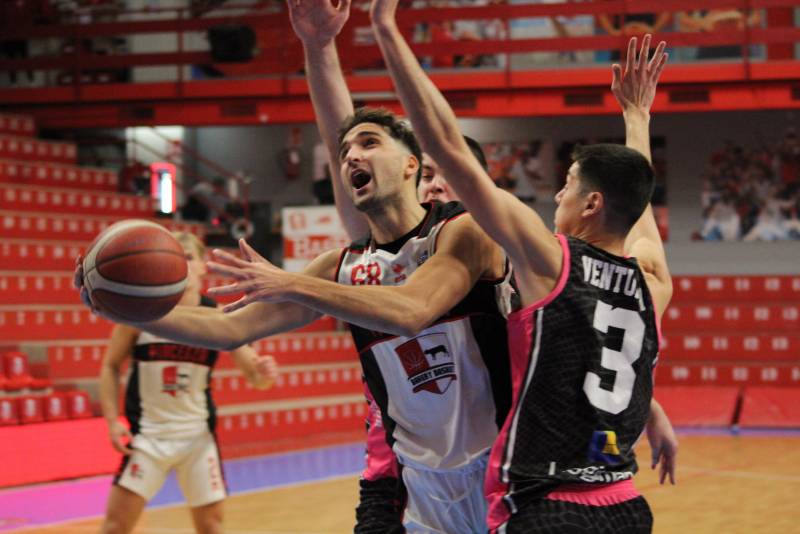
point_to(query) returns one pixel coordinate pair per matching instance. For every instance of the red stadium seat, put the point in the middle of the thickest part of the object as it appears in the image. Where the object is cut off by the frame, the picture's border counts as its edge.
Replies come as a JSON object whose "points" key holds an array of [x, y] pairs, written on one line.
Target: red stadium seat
{"points": [[26, 148], [38, 198], [44, 174], [79, 405], [17, 371], [31, 410], [8, 412], [19, 125], [55, 407]]}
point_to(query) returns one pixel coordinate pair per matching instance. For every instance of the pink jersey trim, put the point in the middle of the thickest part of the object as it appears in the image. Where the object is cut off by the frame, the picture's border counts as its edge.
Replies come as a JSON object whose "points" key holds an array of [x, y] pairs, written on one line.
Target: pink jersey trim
{"points": [[562, 281], [521, 333], [595, 494], [381, 461]]}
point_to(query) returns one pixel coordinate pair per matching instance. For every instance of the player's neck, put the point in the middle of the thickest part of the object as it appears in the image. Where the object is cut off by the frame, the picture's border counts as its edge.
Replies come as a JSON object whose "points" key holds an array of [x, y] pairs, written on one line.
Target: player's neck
{"points": [[613, 244], [395, 221]]}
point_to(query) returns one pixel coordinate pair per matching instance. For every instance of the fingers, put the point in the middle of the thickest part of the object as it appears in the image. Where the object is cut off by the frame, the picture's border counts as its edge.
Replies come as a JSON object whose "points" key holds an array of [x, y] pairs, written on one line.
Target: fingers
{"points": [[241, 303], [225, 270], [656, 454], [616, 76], [656, 74], [229, 258], [644, 54], [229, 289], [77, 279], [657, 55], [631, 55], [249, 252]]}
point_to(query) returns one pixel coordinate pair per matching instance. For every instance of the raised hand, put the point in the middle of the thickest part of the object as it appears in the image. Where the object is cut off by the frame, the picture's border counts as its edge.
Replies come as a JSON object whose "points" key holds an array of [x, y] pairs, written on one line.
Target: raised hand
{"points": [[635, 88], [254, 276], [318, 22]]}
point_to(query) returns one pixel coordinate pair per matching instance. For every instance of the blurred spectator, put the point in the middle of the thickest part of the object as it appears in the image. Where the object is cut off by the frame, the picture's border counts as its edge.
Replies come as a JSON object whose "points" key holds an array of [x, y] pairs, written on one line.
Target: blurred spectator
{"points": [[753, 193], [549, 27], [717, 20], [630, 24]]}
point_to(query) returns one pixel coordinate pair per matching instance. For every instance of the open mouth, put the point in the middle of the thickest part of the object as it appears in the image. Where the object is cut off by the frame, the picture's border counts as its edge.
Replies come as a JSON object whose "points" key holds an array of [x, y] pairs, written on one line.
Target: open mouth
{"points": [[359, 178]]}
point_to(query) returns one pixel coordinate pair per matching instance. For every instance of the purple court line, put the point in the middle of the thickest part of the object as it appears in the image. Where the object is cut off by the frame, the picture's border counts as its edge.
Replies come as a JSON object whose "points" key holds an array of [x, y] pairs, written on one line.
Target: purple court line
{"points": [[45, 504]]}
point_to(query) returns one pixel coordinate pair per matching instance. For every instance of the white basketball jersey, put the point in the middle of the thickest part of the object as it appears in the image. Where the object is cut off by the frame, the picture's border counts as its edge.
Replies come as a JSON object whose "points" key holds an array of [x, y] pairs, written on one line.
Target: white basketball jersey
{"points": [[168, 394], [444, 392]]}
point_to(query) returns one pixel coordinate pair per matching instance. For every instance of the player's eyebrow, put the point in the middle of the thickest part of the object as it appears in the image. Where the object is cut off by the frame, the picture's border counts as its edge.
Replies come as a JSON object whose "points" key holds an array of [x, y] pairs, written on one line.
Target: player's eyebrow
{"points": [[364, 133]]}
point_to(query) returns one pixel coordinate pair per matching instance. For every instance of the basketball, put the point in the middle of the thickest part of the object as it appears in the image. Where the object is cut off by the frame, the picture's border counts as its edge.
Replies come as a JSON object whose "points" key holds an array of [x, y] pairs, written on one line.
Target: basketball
{"points": [[135, 270]]}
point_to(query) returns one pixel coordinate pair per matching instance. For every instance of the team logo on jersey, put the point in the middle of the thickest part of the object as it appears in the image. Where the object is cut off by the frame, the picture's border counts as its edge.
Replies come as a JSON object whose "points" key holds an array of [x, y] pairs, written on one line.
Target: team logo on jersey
{"points": [[173, 381], [428, 363], [603, 447], [136, 471]]}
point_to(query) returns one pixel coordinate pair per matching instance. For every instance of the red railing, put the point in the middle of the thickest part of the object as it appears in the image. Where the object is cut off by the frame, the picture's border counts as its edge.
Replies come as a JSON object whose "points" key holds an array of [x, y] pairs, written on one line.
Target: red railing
{"points": [[281, 53]]}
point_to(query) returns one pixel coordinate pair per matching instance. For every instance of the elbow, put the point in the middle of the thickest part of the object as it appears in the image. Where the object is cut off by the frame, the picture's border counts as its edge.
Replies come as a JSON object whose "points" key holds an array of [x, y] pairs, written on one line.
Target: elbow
{"points": [[412, 323]]}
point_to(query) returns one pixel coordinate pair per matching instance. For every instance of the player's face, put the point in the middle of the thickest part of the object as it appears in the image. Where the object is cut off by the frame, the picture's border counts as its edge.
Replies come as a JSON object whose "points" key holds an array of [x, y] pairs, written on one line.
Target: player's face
{"points": [[433, 186], [374, 165], [196, 268], [569, 203]]}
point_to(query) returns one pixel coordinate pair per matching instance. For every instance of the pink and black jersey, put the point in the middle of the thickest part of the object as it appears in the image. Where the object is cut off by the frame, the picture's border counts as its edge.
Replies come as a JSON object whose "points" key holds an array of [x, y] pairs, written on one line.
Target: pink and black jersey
{"points": [[442, 393], [169, 389], [582, 372]]}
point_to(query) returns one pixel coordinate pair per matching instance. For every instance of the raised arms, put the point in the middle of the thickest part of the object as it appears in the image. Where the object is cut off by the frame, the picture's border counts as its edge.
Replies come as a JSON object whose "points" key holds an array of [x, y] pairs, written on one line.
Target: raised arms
{"points": [[635, 90], [317, 23], [519, 230]]}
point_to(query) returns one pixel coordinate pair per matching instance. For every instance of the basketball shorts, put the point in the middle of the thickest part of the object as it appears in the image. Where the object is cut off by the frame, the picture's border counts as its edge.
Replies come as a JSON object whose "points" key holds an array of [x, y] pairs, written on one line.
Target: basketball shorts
{"points": [[547, 516], [446, 502], [196, 463]]}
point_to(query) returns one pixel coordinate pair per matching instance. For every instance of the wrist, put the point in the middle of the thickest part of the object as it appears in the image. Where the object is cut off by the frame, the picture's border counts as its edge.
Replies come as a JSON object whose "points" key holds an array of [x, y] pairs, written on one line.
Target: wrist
{"points": [[633, 113], [384, 26]]}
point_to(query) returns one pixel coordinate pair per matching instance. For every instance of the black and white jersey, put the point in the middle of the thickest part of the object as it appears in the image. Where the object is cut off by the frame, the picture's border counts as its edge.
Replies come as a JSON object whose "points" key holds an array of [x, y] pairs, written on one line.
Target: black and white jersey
{"points": [[582, 369], [444, 392], [169, 390]]}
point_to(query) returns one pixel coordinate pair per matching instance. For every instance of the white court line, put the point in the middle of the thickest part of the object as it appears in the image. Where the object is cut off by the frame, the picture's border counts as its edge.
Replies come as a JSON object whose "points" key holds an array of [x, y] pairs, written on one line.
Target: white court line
{"points": [[167, 530]]}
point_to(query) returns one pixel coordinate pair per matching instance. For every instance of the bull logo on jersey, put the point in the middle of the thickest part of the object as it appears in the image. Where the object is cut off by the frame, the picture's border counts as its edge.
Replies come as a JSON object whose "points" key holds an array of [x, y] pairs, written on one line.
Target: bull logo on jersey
{"points": [[174, 382], [428, 363]]}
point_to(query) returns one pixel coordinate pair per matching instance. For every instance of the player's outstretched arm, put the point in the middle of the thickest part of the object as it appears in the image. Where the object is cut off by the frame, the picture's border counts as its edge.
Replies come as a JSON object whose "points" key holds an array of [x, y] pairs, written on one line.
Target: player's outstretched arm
{"points": [[120, 347], [211, 328], [317, 23], [635, 89], [516, 227], [464, 253]]}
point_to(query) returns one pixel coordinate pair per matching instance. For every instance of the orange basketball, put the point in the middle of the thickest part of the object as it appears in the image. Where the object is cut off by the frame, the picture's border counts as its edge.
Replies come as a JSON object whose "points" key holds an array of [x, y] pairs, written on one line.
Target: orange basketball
{"points": [[135, 270]]}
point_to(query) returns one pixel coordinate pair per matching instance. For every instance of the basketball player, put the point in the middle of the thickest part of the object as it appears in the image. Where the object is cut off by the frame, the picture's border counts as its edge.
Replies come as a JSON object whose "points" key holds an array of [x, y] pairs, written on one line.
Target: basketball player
{"points": [[585, 342], [433, 349], [317, 23], [170, 412]]}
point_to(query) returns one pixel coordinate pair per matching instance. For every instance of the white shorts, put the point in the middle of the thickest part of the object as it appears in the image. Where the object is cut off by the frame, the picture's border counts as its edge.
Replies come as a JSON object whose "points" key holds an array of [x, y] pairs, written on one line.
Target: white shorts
{"points": [[196, 463], [446, 502]]}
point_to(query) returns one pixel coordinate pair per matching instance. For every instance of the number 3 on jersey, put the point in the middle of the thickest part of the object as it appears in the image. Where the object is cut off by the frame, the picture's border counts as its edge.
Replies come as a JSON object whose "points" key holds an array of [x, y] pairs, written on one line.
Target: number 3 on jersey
{"points": [[621, 361]]}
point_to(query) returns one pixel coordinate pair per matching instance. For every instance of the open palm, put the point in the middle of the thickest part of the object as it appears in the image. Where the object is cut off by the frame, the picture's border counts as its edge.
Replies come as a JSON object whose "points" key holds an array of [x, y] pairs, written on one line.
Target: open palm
{"points": [[318, 22], [636, 87]]}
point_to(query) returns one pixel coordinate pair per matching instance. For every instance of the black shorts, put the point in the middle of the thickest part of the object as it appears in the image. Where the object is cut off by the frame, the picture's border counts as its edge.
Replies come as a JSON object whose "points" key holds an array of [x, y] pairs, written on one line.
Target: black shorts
{"points": [[546, 516]]}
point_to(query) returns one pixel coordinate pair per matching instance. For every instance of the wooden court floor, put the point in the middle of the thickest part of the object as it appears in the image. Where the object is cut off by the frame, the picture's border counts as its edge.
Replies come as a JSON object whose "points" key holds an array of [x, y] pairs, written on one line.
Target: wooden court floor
{"points": [[726, 485]]}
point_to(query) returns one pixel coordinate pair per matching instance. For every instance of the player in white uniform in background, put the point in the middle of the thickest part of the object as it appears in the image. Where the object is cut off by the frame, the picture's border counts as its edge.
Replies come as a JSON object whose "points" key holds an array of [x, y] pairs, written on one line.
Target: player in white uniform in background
{"points": [[172, 416]]}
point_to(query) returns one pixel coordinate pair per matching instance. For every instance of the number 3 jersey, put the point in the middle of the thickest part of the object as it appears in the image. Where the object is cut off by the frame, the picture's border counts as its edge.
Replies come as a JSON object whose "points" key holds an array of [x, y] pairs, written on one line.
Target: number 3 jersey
{"points": [[444, 392], [169, 389], [582, 372]]}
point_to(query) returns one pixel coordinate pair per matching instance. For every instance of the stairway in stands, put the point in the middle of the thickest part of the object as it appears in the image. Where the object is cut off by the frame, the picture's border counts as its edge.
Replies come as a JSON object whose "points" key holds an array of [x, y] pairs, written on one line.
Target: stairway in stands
{"points": [[50, 210]]}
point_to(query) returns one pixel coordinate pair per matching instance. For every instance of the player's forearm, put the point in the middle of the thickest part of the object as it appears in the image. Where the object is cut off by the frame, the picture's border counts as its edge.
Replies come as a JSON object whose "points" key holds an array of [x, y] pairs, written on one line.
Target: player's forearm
{"points": [[377, 308], [433, 119], [637, 130], [109, 392], [332, 105]]}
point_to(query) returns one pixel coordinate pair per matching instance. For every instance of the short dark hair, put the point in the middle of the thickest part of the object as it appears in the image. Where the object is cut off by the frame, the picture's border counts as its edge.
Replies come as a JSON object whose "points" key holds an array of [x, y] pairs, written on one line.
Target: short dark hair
{"points": [[477, 151], [624, 177], [395, 127]]}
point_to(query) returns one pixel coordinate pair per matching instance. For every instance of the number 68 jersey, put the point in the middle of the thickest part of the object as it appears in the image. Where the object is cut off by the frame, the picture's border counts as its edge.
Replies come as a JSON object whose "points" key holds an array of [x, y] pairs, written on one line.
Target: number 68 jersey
{"points": [[444, 392], [582, 374]]}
